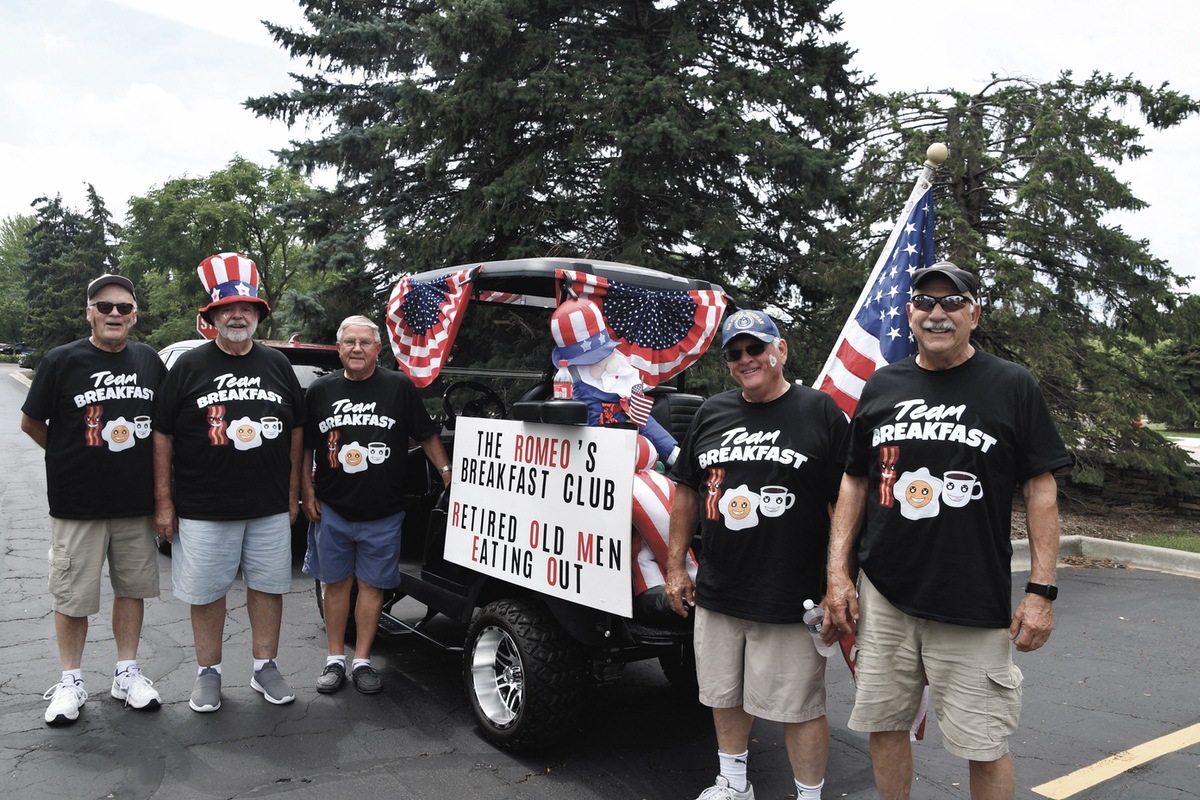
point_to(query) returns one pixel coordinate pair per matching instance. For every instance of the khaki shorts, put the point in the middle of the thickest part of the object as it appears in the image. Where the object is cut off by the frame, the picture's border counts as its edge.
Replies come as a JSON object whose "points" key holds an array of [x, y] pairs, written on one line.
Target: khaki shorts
{"points": [[78, 548], [975, 686], [771, 671]]}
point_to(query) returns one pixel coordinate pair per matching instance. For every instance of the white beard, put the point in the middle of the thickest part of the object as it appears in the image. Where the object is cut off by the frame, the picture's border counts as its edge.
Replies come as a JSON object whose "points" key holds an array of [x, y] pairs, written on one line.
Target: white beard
{"points": [[614, 375]]}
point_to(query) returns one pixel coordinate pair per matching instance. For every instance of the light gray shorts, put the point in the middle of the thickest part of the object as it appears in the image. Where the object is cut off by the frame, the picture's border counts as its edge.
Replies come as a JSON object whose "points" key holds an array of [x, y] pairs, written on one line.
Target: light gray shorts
{"points": [[206, 556], [975, 686], [772, 671], [78, 548]]}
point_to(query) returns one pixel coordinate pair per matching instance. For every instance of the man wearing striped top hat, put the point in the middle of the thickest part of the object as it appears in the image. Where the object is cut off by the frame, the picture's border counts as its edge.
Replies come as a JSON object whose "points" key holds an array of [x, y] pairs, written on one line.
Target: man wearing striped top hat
{"points": [[228, 432]]}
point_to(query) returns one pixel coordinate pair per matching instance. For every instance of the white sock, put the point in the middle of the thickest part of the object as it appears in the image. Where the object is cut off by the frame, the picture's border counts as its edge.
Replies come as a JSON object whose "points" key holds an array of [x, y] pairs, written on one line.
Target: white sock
{"points": [[217, 666], [808, 792], [733, 768], [360, 662], [71, 676], [126, 666], [335, 659], [259, 663]]}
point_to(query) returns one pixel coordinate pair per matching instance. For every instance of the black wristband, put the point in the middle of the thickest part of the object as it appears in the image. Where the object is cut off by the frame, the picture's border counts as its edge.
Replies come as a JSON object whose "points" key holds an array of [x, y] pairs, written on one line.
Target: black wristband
{"points": [[1048, 591]]}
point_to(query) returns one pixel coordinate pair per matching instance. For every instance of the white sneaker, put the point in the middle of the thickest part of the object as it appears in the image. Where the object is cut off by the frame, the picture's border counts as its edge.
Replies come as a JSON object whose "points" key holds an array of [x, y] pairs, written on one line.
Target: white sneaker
{"points": [[65, 701], [134, 688], [721, 790]]}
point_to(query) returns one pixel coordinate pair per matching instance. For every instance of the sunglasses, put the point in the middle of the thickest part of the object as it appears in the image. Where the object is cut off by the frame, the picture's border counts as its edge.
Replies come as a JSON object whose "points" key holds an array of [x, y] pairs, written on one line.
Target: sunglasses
{"points": [[752, 350], [950, 303], [104, 307]]}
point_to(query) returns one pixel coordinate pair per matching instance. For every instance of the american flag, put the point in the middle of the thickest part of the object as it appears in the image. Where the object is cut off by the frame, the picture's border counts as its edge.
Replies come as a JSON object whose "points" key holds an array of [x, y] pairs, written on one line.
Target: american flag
{"points": [[660, 332], [877, 332], [423, 319]]}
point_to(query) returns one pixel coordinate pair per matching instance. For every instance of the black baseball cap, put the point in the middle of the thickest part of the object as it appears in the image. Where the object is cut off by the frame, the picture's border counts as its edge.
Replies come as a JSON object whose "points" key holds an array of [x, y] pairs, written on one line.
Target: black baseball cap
{"points": [[963, 281], [109, 279]]}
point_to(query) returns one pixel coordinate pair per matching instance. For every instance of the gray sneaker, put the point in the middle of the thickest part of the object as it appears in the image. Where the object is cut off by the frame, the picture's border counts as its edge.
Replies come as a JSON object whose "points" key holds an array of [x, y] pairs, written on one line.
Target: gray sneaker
{"points": [[206, 694], [271, 684]]}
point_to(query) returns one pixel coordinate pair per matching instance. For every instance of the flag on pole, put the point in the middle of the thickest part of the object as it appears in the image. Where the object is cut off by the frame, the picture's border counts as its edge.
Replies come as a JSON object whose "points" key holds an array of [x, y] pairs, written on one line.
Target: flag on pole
{"points": [[660, 332], [877, 332], [423, 319]]}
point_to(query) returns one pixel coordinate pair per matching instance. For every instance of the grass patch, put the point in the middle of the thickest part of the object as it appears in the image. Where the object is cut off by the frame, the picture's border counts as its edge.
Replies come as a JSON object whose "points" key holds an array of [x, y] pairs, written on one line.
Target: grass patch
{"points": [[1182, 434], [1188, 542]]}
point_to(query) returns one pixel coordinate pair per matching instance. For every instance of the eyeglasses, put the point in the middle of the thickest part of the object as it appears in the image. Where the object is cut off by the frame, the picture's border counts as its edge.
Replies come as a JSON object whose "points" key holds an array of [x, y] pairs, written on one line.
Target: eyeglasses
{"points": [[352, 343], [950, 303], [754, 349], [104, 307]]}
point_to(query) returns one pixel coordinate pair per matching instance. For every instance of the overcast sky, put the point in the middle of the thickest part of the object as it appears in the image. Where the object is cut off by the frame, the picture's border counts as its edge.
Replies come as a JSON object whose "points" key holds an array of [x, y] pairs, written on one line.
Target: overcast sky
{"points": [[126, 94]]}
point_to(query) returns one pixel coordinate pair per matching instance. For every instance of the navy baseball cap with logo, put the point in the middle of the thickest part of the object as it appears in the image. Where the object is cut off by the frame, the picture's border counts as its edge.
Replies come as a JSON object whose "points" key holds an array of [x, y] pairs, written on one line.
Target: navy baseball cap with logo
{"points": [[751, 323]]}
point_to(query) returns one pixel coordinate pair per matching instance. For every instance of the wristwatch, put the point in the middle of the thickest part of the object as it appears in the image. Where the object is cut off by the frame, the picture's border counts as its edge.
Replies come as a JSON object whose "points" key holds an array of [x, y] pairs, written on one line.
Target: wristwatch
{"points": [[444, 470], [1048, 591]]}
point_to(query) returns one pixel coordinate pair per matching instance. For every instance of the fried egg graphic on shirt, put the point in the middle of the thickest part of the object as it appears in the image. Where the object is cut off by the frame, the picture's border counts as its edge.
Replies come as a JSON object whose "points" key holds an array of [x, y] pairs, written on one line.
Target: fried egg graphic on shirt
{"points": [[353, 458], [118, 434], [740, 508], [245, 433], [918, 493]]}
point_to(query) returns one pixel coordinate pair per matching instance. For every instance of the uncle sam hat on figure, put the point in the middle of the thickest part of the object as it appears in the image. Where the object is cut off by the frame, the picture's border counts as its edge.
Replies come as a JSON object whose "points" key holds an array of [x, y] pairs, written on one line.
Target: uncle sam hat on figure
{"points": [[230, 278], [579, 331]]}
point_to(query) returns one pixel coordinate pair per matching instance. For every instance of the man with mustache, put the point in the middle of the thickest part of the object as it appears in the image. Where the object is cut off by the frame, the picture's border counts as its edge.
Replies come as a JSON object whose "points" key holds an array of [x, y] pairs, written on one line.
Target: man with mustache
{"points": [[100, 495], [934, 588], [232, 506]]}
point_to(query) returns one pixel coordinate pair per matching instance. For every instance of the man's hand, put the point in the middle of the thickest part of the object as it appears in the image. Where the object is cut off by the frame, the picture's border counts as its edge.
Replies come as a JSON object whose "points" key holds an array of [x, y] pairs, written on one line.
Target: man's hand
{"points": [[841, 606], [309, 504], [165, 522], [681, 591], [1032, 623]]}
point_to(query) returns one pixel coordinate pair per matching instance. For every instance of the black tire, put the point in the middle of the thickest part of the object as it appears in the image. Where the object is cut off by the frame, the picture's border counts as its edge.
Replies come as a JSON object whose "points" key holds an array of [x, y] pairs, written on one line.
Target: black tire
{"points": [[524, 675], [679, 667], [351, 629]]}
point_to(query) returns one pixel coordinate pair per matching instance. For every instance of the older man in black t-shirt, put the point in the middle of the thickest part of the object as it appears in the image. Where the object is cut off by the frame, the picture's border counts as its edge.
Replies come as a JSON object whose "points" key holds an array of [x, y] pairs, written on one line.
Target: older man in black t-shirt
{"points": [[359, 425], [227, 426], [89, 408], [937, 446], [758, 469]]}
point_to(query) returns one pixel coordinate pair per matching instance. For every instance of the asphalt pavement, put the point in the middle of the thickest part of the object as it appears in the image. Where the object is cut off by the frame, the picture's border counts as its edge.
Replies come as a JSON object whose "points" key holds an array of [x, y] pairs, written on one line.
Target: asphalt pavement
{"points": [[1120, 671]]}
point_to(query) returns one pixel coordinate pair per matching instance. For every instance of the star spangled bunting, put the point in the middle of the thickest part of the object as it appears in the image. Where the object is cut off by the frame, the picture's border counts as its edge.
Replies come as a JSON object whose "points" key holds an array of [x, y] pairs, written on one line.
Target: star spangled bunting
{"points": [[660, 332], [423, 319], [877, 332]]}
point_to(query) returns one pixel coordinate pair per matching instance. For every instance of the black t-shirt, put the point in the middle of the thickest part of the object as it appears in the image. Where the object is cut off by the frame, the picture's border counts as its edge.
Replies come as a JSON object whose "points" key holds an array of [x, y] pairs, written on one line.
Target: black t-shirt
{"points": [[358, 432], [97, 406], [943, 452], [766, 474], [232, 419]]}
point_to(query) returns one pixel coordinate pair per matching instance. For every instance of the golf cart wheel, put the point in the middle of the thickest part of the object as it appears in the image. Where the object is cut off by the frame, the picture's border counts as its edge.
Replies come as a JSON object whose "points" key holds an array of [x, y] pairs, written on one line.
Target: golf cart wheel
{"points": [[525, 676], [679, 667]]}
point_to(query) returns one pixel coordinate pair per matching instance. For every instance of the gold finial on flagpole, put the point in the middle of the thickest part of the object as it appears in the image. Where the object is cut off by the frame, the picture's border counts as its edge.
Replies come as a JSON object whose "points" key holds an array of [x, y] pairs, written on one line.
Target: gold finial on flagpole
{"points": [[936, 154]]}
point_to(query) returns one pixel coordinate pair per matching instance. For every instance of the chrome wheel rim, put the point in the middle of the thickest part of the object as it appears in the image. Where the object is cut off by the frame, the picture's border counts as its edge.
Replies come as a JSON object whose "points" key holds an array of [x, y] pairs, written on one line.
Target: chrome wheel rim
{"points": [[498, 676]]}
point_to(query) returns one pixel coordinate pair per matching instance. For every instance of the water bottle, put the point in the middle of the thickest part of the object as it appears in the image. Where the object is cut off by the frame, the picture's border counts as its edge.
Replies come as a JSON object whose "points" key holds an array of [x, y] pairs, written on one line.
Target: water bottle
{"points": [[564, 387], [813, 617]]}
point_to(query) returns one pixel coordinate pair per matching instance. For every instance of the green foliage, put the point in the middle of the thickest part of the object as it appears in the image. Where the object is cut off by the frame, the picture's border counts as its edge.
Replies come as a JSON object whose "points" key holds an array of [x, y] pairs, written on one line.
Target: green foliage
{"points": [[1183, 540], [1022, 201], [14, 237], [702, 138], [65, 250], [243, 208]]}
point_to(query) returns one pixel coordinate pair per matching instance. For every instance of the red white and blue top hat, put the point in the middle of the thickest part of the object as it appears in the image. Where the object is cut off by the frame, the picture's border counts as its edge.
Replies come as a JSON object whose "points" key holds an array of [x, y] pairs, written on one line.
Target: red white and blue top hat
{"points": [[230, 278], [580, 333]]}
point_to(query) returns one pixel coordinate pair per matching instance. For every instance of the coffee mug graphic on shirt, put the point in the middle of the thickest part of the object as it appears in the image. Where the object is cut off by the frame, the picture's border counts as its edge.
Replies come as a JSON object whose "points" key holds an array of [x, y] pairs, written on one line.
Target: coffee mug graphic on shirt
{"points": [[378, 452], [775, 500], [960, 488], [271, 427], [141, 427]]}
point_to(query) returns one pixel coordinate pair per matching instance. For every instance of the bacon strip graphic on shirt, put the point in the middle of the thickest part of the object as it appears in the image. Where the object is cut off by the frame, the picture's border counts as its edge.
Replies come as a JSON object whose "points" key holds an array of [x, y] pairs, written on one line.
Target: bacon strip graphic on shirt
{"points": [[715, 476], [216, 426], [91, 426], [331, 445], [888, 456]]}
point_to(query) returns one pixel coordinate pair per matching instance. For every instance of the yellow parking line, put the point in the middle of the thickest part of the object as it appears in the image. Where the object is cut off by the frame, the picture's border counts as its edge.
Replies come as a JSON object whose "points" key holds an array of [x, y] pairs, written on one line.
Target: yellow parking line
{"points": [[1113, 766]]}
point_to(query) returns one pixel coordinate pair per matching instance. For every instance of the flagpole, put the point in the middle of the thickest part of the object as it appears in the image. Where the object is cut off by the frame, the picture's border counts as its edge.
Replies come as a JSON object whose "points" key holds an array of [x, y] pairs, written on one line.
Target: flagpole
{"points": [[935, 156]]}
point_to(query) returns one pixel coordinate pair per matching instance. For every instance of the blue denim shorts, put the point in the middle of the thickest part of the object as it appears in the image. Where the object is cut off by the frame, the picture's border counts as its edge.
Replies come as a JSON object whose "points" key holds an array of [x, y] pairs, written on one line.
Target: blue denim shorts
{"points": [[206, 556], [339, 548]]}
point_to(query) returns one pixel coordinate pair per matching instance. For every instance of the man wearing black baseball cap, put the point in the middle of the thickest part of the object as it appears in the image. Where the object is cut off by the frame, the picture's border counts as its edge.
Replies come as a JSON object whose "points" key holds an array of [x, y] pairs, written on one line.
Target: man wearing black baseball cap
{"points": [[89, 408], [937, 443]]}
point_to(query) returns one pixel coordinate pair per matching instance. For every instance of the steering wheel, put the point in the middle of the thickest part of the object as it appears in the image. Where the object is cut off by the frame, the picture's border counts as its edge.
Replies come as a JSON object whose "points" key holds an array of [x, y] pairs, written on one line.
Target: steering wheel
{"points": [[480, 402]]}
